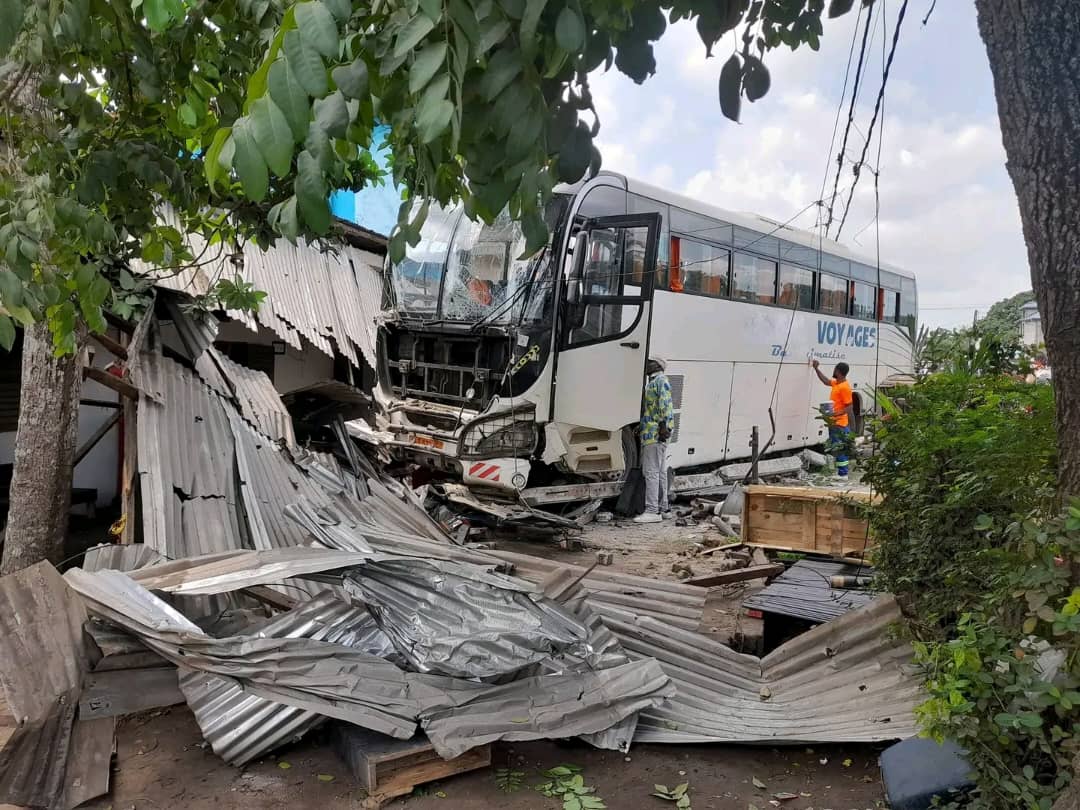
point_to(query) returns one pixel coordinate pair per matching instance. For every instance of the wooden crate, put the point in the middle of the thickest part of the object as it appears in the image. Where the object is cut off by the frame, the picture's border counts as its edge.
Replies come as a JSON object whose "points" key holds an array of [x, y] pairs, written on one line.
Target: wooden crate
{"points": [[387, 768], [823, 521]]}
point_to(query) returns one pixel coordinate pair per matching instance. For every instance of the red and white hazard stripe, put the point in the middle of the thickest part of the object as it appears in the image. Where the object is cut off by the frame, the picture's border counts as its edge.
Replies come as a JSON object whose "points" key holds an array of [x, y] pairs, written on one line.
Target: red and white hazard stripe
{"points": [[488, 472]]}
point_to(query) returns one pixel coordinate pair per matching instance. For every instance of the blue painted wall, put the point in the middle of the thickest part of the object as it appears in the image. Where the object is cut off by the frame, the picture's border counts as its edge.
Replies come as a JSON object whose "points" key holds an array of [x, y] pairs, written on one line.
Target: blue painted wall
{"points": [[375, 207]]}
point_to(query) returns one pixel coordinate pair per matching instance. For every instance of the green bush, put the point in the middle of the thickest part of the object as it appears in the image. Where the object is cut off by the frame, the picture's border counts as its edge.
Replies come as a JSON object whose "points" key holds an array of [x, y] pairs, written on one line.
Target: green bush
{"points": [[961, 447], [1006, 687], [990, 596]]}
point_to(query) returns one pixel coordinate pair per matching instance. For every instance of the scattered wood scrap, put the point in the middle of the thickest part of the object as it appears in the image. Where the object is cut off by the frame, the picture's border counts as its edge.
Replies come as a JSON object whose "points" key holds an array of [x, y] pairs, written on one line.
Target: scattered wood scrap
{"points": [[737, 575]]}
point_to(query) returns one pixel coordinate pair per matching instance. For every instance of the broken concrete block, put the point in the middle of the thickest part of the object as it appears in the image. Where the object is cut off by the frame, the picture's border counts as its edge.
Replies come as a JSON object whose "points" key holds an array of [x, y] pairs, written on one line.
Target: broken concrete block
{"points": [[682, 570], [604, 557], [572, 544], [814, 459]]}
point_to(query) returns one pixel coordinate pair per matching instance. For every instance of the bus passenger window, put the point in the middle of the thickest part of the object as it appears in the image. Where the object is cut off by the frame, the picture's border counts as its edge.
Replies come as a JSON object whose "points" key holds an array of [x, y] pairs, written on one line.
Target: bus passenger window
{"points": [[755, 279], [703, 268], [832, 295], [863, 298], [796, 287]]}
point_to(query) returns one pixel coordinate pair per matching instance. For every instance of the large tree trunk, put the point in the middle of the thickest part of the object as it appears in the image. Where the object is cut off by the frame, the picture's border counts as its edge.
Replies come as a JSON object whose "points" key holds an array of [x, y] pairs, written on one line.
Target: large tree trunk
{"points": [[1034, 50], [44, 449]]}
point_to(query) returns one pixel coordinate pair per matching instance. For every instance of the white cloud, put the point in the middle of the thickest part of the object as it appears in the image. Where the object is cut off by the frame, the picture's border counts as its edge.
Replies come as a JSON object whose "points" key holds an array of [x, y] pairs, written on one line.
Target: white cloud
{"points": [[948, 211]]}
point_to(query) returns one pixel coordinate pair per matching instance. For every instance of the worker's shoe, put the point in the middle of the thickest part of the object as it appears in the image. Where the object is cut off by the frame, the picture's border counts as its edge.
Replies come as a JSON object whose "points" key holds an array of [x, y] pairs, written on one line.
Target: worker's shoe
{"points": [[668, 514], [648, 517]]}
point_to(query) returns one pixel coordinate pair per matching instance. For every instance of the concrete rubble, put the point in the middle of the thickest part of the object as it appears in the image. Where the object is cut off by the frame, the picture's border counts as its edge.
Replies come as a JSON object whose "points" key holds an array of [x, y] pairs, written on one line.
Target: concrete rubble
{"points": [[378, 618]]}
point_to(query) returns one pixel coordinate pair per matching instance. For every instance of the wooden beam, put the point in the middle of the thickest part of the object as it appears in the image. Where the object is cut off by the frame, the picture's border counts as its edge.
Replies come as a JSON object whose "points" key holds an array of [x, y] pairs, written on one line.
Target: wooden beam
{"points": [[737, 575], [110, 345], [124, 326], [99, 403], [270, 597], [98, 435], [120, 386]]}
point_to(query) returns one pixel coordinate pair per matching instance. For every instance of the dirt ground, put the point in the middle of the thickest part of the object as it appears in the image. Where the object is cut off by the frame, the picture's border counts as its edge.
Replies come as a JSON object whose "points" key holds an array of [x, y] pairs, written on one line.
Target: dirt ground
{"points": [[162, 763]]}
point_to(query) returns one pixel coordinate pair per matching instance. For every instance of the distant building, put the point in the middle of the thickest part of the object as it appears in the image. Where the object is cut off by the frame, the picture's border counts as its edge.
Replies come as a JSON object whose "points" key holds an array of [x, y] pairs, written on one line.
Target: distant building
{"points": [[1031, 328]]}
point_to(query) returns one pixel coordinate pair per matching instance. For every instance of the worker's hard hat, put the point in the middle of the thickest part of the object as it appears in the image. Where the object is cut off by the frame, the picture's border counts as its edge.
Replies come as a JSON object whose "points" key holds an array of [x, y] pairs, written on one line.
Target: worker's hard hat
{"points": [[660, 361]]}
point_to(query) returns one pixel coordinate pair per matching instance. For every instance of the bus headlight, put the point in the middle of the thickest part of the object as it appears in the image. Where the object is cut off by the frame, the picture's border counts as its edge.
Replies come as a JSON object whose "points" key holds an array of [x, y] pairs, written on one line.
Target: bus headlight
{"points": [[517, 437]]}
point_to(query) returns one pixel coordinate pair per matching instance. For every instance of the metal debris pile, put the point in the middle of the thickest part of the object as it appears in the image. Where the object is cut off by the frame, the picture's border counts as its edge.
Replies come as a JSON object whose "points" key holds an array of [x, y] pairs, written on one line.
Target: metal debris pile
{"points": [[279, 586]]}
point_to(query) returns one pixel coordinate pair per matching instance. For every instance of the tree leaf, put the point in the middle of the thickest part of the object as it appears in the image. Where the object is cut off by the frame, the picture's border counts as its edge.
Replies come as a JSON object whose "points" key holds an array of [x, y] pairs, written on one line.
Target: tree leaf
{"points": [[427, 63], [433, 8], [531, 19], [187, 115], [317, 27], [284, 220], [248, 161], [434, 110], [730, 85], [410, 35], [306, 65], [352, 79], [491, 34], [341, 9], [756, 80], [7, 333], [575, 154], [311, 193], [11, 12], [158, 14], [273, 135], [332, 115], [501, 70], [290, 97], [839, 7], [11, 289], [570, 30]]}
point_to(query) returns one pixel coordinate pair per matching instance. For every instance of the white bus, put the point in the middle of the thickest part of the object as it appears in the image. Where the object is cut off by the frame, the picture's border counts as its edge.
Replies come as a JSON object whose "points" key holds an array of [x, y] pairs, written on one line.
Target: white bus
{"points": [[510, 373]]}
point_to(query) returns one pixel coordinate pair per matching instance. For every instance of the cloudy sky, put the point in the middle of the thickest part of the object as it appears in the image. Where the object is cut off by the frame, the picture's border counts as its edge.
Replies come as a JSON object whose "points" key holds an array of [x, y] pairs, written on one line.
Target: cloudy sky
{"points": [[948, 211]]}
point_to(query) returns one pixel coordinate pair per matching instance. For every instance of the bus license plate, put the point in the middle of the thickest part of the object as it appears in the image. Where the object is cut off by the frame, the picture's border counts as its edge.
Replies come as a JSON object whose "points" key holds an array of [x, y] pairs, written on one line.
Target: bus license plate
{"points": [[427, 441]]}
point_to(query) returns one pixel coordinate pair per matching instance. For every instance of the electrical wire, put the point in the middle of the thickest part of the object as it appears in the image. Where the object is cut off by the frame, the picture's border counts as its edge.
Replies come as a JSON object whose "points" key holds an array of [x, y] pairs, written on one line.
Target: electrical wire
{"points": [[850, 119], [877, 111]]}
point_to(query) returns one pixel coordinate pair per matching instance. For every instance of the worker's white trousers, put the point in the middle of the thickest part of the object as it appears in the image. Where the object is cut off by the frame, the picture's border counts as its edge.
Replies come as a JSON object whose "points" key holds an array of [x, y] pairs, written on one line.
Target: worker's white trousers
{"points": [[654, 465]]}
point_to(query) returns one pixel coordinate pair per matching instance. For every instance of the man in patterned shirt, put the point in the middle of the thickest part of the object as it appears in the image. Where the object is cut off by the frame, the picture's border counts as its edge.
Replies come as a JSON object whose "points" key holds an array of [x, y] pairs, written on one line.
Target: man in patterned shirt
{"points": [[656, 424]]}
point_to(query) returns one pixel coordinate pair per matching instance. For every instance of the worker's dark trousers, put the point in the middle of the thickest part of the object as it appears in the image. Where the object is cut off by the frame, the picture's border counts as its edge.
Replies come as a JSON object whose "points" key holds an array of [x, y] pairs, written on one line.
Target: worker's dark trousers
{"points": [[838, 448]]}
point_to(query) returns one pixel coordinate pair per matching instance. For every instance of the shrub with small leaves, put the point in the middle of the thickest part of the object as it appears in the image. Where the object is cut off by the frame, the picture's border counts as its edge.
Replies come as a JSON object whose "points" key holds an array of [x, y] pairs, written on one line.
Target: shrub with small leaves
{"points": [[566, 783], [507, 780]]}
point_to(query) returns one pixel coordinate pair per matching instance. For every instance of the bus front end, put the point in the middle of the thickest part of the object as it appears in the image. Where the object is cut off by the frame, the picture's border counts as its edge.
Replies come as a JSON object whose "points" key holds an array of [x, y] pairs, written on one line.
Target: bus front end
{"points": [[464, 347]]}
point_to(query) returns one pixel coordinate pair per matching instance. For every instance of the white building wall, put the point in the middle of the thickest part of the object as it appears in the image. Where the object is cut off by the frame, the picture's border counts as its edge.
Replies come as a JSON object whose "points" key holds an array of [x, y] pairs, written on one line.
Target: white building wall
{"points": [[293, 369]]}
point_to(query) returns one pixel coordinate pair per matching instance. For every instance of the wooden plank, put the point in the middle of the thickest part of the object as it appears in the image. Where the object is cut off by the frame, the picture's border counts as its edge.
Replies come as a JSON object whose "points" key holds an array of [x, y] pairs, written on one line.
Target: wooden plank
{"points": [[715, 549], [93, 743], [812, 493], [120, 386], [110, 345], [737, 575], [268, 596], [127, 691], [387, 768]]}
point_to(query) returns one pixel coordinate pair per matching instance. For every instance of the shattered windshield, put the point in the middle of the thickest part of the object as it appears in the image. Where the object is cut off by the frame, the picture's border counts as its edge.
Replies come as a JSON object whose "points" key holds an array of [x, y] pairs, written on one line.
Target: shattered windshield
{"points": [[485, 278]]}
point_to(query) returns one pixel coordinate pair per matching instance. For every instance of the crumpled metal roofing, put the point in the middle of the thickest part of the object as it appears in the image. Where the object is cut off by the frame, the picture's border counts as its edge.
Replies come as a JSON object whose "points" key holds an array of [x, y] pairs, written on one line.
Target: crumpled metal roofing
{"points": [[845, 681], [119, 557], [462, 621], [241, 726], [338, 681], [804, 591], [232, 570], [330, 298], [673, 602]]}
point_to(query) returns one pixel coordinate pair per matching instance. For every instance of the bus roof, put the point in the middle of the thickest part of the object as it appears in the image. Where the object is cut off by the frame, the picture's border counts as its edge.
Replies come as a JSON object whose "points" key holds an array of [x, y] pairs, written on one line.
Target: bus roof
{"points": [[754, 222]]}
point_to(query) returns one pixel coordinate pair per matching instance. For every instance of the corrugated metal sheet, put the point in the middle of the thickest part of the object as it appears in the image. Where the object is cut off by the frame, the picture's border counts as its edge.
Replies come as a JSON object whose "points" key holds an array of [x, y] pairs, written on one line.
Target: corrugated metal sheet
{"points": [[120, 557], [259, 401], [804, 591], [187, 467], [462, 621], [681, 605], [240, 726], [845, 681], [34, 760]]}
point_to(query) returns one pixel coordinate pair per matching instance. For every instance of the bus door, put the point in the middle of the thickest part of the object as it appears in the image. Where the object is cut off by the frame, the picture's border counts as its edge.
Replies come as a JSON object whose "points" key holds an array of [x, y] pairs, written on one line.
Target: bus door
{"points": [[604, 338]]}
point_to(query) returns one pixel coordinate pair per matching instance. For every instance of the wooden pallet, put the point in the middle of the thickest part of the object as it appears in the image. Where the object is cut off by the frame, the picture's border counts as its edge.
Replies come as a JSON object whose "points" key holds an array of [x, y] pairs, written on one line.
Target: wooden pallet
{"points": [[821, 521], [388, 768]]}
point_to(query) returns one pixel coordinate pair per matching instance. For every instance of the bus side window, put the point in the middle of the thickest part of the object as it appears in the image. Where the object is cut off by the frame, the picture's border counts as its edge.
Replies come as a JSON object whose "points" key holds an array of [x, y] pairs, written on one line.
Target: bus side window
{"points": [[832, 294], [754, 279], [703, 268], [636, 204]]}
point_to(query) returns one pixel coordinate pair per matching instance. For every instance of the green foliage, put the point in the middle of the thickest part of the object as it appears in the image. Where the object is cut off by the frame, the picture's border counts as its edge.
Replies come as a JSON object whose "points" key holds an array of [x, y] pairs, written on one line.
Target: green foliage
{"points": [[1006, 686], [242, 115], [566, 783], [488, 101], [507, 780], [963, 446], [1003, 319], [677, 794]]}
